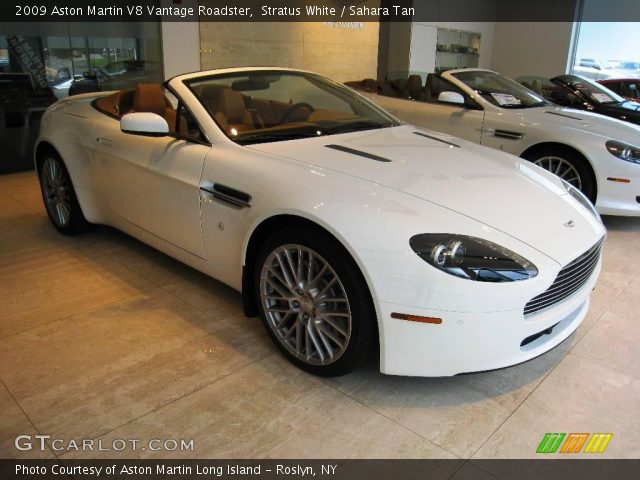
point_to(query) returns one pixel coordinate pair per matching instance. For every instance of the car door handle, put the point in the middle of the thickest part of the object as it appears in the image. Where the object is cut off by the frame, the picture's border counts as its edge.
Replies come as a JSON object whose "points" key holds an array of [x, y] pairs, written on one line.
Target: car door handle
{"points": [[227, 194], [105, 142]]}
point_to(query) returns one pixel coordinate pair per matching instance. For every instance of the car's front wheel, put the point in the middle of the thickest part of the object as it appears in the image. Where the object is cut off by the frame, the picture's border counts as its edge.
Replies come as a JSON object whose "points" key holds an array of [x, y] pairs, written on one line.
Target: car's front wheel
{"points": [[314, 302], [569, 166], [59, 196]]}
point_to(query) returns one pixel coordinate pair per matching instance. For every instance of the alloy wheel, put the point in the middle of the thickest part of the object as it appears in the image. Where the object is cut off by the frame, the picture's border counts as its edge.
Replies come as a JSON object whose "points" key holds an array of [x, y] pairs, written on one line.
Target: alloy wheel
{"points": [[305, 304], [56, 185], [562, 168]]}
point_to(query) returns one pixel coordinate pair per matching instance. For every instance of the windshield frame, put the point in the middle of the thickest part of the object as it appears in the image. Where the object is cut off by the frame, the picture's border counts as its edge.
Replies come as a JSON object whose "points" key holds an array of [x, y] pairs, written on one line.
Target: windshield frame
{"points": [[299, 131], [517, 88], [572, 80]]}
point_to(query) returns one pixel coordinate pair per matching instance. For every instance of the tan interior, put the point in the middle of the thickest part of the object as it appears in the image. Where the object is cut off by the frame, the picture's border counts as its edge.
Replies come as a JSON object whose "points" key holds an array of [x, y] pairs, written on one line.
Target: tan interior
{"points": [[233, 111], [146, 97]]}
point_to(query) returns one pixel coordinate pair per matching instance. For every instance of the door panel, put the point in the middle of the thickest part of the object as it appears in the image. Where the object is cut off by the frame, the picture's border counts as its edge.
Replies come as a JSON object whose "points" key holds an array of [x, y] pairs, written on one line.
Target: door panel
{"points": [[504, 131], [153, 183], [228, 188]]}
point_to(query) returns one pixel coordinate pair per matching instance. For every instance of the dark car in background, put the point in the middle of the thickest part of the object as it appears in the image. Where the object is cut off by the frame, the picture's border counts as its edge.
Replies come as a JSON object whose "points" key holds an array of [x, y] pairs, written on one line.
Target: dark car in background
{"points": [[116, 76], [577, 92], [628, 88]]}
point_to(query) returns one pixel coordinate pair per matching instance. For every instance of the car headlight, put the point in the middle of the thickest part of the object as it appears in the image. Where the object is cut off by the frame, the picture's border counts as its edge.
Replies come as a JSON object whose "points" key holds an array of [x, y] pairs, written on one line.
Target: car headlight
{"points": [[581, 198], [472, 258], [624, 151]]}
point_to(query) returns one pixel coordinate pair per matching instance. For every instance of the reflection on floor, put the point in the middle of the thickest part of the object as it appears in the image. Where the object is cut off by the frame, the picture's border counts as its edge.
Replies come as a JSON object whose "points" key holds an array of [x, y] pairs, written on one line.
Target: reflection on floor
{"points": [[102, 337]]}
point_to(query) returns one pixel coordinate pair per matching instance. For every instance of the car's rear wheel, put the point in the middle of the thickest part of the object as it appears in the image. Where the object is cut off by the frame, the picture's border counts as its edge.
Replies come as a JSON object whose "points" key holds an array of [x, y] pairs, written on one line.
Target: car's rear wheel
{"points": [[569, 166], [314, 302], [59, 196]]}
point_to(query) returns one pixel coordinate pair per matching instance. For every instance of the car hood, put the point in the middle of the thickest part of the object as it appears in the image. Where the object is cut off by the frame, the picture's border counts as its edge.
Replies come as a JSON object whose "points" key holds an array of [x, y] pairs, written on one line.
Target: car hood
{"points": [[558, 118], [496, 189]]}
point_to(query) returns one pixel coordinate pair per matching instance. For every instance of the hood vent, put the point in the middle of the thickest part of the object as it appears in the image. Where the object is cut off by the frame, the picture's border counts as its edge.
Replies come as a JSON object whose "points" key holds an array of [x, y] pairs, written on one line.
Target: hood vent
{"points": [[353, 151], [564, 115], [436, 139]]}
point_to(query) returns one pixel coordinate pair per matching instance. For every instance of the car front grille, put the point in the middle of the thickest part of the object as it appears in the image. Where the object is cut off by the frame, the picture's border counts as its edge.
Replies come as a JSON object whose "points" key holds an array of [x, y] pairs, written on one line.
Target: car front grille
{"points": [[569, 280]]}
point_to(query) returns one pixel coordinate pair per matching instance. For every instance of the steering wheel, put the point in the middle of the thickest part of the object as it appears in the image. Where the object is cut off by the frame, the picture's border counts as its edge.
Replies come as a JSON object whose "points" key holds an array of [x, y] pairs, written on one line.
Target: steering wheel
{"points": [[289, 111]]}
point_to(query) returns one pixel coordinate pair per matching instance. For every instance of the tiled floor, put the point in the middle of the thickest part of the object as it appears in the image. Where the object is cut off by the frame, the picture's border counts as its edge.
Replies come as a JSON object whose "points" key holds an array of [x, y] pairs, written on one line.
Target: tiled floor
{"points": [[102, 337]]}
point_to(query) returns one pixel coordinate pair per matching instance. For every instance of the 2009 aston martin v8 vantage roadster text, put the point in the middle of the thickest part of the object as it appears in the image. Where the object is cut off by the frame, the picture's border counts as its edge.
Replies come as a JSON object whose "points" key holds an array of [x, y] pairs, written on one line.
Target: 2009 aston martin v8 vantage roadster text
{"points": [[348, 232]]}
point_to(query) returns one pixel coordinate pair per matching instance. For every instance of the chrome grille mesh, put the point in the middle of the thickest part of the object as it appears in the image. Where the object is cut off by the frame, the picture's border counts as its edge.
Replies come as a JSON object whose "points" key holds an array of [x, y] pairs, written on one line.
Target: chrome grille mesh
{"points": [[568, 281]]}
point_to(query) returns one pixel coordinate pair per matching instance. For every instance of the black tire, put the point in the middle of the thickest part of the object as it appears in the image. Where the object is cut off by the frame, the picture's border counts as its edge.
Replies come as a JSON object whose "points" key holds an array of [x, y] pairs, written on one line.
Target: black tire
{"points": [[587, 180], [59, 196], [363, 340]]}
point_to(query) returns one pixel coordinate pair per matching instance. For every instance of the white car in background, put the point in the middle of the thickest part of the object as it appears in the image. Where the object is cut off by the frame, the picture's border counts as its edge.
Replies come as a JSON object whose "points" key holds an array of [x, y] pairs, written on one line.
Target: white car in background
{"points": [[596, 70], [596, 154], [345, 230]]}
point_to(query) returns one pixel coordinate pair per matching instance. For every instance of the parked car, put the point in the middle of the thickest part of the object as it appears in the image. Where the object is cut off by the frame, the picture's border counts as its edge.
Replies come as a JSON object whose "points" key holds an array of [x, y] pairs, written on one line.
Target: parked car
{"points": [[582, 94], [115, 76], [628, 88], [631, 69], [343, 229], [596, 154], [595, 69]]}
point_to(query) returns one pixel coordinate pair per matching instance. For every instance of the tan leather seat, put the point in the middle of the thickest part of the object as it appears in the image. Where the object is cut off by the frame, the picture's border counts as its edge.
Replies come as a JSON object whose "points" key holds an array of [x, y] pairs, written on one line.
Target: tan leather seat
{"points": [[210, 97], [232, 114], [414, 87], [149, 97]]}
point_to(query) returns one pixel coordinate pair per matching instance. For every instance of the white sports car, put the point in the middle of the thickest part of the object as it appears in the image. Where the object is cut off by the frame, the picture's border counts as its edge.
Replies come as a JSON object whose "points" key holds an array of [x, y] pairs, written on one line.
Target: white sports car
{"points": [[345, 230], [597, 154]]}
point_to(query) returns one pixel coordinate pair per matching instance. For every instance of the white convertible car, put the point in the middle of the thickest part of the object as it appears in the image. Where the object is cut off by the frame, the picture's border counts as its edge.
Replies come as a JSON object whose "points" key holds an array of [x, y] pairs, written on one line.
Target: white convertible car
{"points": [[597, 154], [348, 232]]}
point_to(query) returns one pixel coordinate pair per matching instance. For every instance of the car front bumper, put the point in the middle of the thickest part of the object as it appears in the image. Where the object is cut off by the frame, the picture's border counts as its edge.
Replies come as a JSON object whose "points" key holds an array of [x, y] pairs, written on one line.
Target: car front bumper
{"points": [[475, 341], [619, 190]]}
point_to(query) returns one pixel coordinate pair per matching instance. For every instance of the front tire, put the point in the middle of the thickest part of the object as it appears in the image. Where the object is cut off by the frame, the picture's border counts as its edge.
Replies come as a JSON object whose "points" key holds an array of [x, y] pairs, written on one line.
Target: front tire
{"points": [[314, 302], [59, 196], [568, 165]]}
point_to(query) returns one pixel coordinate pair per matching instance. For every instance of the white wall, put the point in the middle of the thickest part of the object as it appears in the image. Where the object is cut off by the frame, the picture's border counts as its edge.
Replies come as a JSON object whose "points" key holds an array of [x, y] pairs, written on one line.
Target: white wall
{"points": [[180, 44], [536, 48]]}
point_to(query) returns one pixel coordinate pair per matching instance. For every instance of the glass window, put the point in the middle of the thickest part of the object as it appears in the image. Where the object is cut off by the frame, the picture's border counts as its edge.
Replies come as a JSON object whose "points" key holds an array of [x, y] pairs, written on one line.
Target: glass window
{"points": [[500, 91], [267, 106], [39, 66], [187, 126], [591, 90]]}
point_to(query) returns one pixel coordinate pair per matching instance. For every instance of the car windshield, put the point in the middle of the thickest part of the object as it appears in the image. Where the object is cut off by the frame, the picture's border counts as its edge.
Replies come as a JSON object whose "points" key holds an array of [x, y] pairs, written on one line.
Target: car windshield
{"points": [[271, 106], [500, 91], [592, 90]]}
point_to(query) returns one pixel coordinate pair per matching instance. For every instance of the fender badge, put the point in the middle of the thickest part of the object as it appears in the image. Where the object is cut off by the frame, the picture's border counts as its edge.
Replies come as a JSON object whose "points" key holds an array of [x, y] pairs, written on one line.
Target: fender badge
{"points": [[570, 224]]}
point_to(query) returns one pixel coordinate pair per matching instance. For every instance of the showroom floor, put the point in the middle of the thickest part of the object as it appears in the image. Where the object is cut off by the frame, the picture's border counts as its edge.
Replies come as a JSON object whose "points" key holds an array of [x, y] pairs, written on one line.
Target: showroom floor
{"points": [[103, 337]]}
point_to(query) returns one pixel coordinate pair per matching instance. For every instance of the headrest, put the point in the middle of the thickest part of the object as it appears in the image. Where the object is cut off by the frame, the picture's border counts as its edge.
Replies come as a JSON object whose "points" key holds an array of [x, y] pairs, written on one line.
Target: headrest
{"points": [[231, 104], [150, 98], [414, 83], [210, 96], [370, 84]]}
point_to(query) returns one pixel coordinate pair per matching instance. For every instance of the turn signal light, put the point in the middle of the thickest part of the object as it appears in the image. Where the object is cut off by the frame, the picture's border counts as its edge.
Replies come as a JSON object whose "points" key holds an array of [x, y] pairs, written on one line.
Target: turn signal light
{"points": [[621, 180], [416, 318]]}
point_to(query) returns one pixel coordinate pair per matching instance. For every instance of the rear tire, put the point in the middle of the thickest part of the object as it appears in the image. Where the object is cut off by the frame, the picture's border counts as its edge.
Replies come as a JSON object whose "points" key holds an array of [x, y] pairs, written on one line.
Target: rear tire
{"points": [[59, 196], [568, 165], [314, 303]]}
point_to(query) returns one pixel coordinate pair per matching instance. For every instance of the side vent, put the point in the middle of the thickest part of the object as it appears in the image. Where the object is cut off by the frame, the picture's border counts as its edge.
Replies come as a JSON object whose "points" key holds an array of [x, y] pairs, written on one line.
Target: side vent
{"points": [[508, 134]]}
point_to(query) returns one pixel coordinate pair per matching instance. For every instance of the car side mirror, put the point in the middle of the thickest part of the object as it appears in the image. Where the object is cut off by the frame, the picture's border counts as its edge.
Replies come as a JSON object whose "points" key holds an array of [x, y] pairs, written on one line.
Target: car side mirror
{"points": [[144, 123], [451, 97]]}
